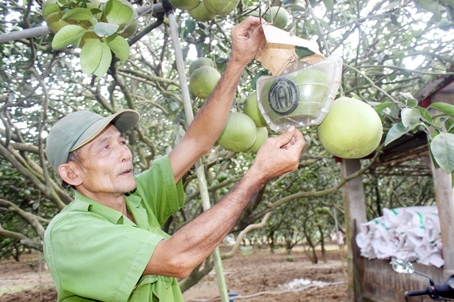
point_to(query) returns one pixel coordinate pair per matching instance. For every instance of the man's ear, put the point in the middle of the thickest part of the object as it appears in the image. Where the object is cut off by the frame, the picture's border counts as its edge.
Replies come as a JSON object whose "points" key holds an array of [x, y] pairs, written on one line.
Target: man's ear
{"points": [[70, 174]]}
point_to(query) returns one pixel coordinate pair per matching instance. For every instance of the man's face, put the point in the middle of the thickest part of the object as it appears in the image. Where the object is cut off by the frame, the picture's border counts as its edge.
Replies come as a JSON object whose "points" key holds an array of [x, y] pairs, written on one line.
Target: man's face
{"points": [[106, 166]]}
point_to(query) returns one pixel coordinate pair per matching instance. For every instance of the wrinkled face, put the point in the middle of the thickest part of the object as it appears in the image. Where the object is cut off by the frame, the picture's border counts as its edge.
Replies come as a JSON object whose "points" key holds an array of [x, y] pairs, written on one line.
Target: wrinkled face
{"points": [[106, 165]]}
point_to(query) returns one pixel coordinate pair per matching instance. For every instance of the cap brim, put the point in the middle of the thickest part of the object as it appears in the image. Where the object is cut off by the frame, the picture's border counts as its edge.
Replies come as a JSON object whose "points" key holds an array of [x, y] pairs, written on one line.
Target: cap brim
{"points": [[122, 120]]}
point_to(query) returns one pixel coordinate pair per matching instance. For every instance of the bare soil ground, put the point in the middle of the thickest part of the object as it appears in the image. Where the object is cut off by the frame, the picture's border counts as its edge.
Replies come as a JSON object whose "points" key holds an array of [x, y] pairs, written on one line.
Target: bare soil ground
{"points": [[261, 276]]}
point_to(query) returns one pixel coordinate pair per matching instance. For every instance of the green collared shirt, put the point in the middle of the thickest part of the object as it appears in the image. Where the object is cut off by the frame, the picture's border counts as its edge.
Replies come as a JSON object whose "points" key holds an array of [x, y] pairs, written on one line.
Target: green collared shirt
{"points": [[95, 253]]}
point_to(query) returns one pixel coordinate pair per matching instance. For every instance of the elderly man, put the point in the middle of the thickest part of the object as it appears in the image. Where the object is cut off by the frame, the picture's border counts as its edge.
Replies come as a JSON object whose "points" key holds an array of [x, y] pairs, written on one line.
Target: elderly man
{"points": [[107, 245]]}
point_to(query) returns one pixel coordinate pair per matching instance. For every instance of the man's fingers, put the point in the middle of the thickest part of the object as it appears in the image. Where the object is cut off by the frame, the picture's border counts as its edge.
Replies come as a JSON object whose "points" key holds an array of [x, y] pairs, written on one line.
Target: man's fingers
{"points": [[290, 138]]}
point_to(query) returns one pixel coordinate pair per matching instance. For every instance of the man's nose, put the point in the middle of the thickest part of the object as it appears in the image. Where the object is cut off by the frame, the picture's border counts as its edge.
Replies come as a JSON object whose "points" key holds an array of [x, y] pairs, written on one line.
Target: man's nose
{"points": [[125, 153]]}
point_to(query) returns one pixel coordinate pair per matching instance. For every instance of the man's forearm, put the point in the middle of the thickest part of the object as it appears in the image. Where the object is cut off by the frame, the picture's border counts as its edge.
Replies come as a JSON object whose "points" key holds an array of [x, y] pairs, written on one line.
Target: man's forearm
{"points": [[189, 246]]}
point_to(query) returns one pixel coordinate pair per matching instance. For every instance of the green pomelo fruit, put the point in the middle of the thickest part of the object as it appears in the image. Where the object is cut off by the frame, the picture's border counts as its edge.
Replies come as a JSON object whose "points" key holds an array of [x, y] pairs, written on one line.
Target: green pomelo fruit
{"points": [[351, 129], [251, 108], [239, 133], [52, 13], [203, 81], [262, 136], [280, 98], [184, 4], [220, 7], [313, 86], [54, 21], [199, 62], [200, 13], [278, 16]]}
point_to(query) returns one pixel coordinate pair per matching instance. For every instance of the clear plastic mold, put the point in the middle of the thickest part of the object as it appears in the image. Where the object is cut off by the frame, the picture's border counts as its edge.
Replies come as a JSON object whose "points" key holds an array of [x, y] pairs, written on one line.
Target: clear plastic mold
{"points": [[301, 95]]}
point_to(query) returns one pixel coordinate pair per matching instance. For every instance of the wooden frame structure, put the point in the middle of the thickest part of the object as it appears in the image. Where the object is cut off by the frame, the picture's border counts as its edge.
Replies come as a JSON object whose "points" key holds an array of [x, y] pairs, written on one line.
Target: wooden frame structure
{"points": [[374, 280]]}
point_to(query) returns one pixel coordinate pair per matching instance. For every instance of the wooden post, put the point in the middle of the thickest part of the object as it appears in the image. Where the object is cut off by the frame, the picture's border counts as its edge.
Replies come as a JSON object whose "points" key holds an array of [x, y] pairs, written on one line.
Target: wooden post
{"points": [[355, 214], [445, 205]]}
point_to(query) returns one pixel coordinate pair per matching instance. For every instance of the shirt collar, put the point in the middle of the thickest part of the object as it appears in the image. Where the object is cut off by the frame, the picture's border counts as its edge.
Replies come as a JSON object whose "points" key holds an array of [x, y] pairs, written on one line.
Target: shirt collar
{"points": [[110, 214]]}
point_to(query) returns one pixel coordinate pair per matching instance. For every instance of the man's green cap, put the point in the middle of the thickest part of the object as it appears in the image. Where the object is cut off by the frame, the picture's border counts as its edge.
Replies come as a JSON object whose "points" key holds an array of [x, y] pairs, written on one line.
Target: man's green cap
{"points": [[79, 128]]}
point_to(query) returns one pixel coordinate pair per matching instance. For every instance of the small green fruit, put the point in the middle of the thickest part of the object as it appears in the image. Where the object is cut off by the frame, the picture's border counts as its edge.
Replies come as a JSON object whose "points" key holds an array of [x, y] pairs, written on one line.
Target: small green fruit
{"points": [[239, 133], [251, 108], [199, 62], [262, 136], [351, 129], [278, 16], [203, 81], [184, 4], [200, 13], [220, 7]]}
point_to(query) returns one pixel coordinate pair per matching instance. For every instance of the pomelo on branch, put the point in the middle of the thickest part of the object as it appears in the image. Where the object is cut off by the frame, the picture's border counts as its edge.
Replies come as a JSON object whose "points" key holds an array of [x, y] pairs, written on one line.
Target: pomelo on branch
{"points": [[299, 95], [203, 81], [199, 62], [184, 4], [220, 7], [53, 12], [261, 137], [278, 16], [351, 129], [54, 21], [313, 86], [239, 133], [200, 13], [251, 108]]}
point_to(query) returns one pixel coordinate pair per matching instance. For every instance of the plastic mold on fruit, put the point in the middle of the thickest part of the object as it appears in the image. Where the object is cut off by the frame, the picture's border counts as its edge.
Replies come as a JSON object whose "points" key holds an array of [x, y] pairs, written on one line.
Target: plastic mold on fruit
{"points": [[301, 95]]}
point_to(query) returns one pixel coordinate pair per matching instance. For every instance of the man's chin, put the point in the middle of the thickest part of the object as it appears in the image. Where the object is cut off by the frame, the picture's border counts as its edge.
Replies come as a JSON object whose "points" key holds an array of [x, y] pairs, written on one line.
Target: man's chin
{"points": [[131, 188]]}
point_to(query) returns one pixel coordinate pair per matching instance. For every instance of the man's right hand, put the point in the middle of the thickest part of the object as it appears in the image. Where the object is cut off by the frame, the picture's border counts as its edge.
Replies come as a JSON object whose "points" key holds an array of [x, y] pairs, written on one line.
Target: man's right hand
{"points": [[279, 154]]}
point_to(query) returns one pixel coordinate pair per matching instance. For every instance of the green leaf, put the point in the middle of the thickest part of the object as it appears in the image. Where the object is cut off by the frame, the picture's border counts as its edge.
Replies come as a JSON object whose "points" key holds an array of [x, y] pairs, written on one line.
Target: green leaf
{"points": [[409, 99], [450, 125], [118, 12], [442, 147], [90, 56], [431, 6], [256, 77], [443, 107], [190, 25], [329, 4], [382, 106], [78, 14], [49, 9], [103, 29], [425, 114], [119, 46], [302, 52], [67, 35], [95, 11], [396, 131], [410, 117], [106, 60], [295, 7]]}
